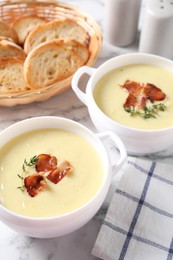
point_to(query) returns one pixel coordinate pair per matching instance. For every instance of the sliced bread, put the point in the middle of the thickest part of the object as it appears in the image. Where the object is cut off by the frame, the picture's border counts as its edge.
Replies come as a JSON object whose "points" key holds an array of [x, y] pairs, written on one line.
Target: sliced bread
{"points": [[7, 31], [10, 49], [80, 49], [25, 24], [11, 76], [48, 63], [55, 30], [5, 38]]}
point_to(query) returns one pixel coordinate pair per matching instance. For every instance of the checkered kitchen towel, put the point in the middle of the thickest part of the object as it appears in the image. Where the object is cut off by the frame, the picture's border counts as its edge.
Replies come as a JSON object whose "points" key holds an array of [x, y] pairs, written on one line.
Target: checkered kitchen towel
{"points": [[139, 221]]}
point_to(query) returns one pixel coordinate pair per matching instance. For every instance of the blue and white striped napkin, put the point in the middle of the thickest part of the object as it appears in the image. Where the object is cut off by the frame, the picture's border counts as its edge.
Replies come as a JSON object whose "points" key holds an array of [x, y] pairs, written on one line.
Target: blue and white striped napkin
{"points": [[139, 221]]}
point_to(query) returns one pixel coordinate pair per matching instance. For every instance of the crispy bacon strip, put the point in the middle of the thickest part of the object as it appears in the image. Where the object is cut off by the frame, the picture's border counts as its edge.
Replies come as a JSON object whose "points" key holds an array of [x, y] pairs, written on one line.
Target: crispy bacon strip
{"points": [[48, 164], [131, 101], [133, 87], [153, 93], [45, 162], [140, 92], [60, 171], [34, 184]]}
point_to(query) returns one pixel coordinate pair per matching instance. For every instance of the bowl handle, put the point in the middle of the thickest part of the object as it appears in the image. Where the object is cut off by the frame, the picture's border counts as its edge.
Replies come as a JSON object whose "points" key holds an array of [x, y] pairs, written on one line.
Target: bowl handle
{"points": [[122, 150], [75, 80]]}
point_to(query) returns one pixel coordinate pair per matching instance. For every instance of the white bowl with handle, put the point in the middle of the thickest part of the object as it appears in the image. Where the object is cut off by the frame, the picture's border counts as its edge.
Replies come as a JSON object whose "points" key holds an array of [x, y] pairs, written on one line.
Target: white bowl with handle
{"points": [[60, 225], [137, 141]]}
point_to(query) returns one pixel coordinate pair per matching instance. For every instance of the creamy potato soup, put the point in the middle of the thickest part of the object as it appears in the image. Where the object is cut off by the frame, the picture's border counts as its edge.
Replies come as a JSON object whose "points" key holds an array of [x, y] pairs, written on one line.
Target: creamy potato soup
{"points": [[71, 192], [111, 97]]}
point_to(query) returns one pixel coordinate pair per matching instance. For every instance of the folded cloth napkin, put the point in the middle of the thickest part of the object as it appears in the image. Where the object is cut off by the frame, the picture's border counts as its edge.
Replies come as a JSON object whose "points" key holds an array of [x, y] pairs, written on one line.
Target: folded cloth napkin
{"points": [[139, 221]]}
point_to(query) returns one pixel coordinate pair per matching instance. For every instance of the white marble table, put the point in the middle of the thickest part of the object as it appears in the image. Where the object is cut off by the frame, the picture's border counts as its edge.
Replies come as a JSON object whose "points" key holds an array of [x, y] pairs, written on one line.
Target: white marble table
{"points": [[77, 245]]}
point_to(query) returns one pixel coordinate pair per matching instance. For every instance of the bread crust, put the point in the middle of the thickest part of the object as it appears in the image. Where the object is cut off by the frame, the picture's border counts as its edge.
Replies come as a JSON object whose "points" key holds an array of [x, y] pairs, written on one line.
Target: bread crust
{"points": [[10, 49], [80, 49], [11, 76], [55, 30], [49, 63], [7, 31], [24, 24]]}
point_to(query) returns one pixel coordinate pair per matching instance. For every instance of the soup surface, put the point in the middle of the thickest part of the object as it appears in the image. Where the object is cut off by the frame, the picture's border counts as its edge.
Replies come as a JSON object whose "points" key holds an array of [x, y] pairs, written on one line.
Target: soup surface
{"points": [[110, 96], [74, 190]]}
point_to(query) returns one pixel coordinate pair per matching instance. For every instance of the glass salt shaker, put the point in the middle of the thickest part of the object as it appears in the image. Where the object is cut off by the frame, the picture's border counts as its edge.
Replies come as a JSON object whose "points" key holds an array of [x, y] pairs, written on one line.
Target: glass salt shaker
{"points": [[121, 21]]}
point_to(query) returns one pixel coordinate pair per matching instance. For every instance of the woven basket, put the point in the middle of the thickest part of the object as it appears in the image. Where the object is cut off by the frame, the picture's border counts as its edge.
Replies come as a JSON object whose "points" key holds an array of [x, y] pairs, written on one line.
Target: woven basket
{"points": [[50, 10]]}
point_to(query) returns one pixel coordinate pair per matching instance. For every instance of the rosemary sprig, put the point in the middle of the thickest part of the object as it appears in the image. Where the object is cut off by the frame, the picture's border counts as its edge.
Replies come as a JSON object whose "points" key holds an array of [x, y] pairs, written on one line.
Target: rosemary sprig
{"points": [[147, 111]]}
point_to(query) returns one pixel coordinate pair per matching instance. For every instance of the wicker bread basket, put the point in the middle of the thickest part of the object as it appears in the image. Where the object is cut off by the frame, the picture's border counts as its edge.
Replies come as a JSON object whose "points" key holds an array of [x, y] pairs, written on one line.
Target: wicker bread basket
{"points": [[50, 10]]}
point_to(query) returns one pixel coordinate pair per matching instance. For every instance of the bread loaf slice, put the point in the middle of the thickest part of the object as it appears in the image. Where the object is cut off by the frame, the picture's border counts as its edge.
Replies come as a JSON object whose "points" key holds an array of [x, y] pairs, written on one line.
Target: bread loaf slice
{"points": [[80, 49], [55, 30], [11, 76], [48, 63], [10, 49], [25, 24], [2, 38], [8, 31]]}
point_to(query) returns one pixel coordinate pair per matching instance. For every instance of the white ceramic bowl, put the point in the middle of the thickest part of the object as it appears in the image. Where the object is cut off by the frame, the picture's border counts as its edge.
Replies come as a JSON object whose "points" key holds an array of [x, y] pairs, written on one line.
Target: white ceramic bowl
{"points": [[136, 141], [63, 224]]}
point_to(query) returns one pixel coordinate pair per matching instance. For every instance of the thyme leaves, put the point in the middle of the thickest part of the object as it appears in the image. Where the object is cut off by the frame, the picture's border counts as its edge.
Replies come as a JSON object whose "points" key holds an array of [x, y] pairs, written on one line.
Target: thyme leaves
{"points": [[26, 164], [31, 162], [147, 111]]}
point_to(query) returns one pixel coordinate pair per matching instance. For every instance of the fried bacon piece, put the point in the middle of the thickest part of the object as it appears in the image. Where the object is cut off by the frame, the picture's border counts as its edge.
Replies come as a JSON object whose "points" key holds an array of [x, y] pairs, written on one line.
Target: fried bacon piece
{"points": [[45, 162], [133, 87], [153, 93], [34, 184], [60, 171], [140, 92], [131, 101]]}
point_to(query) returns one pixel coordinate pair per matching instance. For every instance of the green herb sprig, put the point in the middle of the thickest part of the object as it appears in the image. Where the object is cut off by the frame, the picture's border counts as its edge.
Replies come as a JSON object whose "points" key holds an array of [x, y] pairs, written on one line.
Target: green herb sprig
{"points": [[31, 162], [22, 187], [147, 111], [26, 164]]}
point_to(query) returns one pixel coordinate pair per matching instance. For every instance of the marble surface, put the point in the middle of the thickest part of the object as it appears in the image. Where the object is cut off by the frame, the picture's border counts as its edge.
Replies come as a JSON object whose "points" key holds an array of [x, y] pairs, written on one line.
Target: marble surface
{"points": [[77, 245]]}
